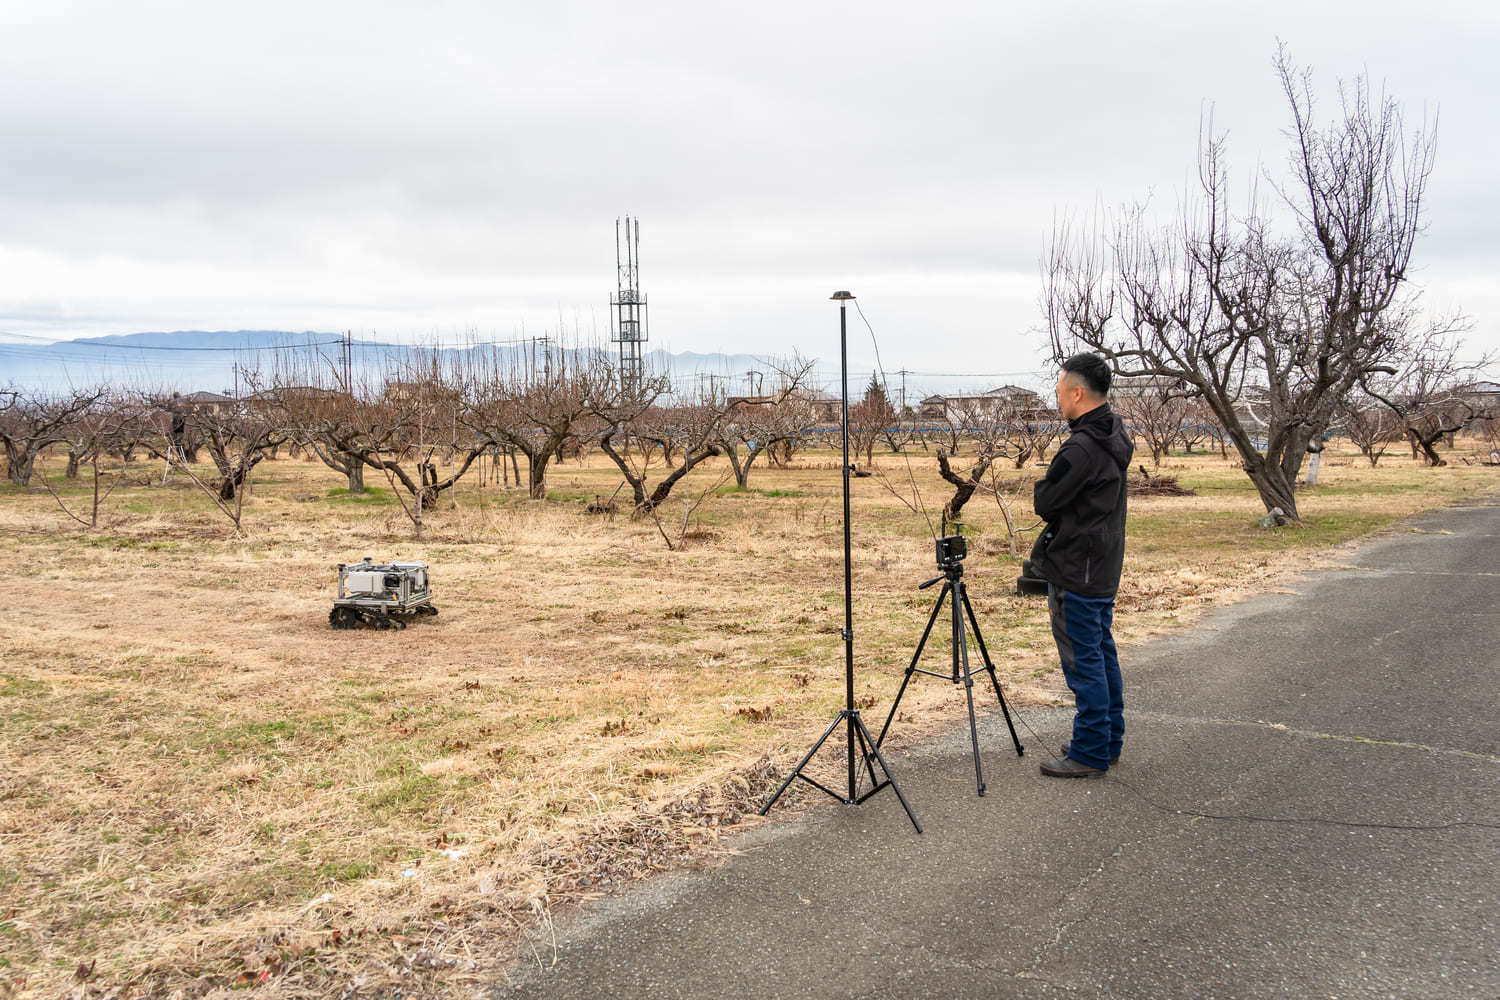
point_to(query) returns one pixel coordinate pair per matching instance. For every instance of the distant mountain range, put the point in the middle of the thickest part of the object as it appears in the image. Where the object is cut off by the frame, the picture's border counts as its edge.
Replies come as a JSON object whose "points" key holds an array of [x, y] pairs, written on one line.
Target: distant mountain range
{"points": [[216, 361]]}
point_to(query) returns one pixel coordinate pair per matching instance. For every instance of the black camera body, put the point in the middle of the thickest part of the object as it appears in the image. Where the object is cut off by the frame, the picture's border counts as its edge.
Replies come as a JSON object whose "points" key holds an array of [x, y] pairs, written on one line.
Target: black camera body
{"points": [[951, 550]]}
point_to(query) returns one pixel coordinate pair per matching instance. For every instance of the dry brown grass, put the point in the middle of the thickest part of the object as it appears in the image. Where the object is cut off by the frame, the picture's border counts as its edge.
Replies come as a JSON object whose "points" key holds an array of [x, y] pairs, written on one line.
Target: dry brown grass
{"points": [[203, 786]]}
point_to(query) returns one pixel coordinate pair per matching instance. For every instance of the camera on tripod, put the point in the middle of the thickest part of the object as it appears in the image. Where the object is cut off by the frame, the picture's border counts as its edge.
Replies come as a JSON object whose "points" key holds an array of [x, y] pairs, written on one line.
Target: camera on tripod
{"points": [[951, 550]]}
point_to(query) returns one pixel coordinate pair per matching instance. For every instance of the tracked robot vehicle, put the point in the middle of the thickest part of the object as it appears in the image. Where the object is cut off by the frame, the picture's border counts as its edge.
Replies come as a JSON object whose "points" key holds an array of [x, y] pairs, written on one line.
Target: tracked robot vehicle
{"points": [[381, 595]]}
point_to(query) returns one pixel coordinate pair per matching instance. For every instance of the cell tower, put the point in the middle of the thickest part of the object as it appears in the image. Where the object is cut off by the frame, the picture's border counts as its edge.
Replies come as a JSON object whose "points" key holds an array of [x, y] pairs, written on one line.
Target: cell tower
{"points": [[628, 324]]}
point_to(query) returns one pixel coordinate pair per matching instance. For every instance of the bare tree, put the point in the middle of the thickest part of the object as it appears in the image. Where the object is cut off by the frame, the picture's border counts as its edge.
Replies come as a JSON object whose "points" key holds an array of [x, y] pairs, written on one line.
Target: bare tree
{"points": [[1221, 302], [694, 425], [1426, 392], [1000, 430], [535, 409], [1198, 427], [321, 408], [415, 414], [780, 412], [1156, 414], [1007, 496], [90, 434], [32, 422], [1370, 425], [1489, 434], [238, 439]]}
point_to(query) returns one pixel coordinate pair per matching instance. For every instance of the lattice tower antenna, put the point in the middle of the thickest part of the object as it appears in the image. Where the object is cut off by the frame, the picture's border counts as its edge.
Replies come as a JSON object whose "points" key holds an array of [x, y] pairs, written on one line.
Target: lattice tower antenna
{"points": [[628, 322]]}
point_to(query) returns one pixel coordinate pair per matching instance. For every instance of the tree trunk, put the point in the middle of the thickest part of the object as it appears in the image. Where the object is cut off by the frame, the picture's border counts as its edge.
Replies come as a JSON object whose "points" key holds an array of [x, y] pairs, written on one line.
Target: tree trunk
{"points": [[689, 461], [73, 459], [18, 466], [637, 483], [234, 477], [536, 475], [741, 470], [963, 488], [1274, 490], [1429, 453], [355, 472]]}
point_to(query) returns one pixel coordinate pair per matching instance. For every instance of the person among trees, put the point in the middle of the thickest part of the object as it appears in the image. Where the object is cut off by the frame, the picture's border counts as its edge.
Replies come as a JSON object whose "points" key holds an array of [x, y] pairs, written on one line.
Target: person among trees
{"points": [[1080, 554], [179, 421]]}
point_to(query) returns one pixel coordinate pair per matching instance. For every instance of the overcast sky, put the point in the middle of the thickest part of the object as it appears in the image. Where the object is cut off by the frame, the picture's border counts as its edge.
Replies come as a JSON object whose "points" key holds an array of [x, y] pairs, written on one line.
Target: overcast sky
{"points": [[436, 168]]}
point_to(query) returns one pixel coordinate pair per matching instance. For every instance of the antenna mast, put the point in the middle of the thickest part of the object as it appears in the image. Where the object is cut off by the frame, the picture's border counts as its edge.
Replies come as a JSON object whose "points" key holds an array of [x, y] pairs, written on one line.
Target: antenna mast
{"points": [[628, 323]]}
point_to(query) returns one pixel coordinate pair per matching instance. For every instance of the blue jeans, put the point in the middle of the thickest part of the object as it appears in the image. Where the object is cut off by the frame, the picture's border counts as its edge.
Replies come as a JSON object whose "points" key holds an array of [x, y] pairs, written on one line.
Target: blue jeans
{"points": [[1081, 627]]}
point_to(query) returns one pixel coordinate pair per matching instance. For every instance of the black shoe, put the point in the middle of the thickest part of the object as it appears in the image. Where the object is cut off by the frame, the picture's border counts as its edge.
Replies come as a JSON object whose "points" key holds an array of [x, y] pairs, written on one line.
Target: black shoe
{"points": [[1068, 746], [1067, 767]]}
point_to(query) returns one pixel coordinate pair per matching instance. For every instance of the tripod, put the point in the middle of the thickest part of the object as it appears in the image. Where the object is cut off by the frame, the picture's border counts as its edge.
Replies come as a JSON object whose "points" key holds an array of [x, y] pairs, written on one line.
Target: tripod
{"points": [[953, 586], [857, 732]]}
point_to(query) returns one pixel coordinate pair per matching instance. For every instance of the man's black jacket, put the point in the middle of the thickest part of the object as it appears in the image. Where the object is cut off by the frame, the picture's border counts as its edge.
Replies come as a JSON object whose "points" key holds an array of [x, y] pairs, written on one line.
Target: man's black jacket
{"points": [[1082, 499]]}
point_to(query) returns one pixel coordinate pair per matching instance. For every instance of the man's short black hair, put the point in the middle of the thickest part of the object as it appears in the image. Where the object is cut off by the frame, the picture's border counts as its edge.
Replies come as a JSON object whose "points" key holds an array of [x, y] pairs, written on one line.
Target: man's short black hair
{"points": [[1093, 369]]}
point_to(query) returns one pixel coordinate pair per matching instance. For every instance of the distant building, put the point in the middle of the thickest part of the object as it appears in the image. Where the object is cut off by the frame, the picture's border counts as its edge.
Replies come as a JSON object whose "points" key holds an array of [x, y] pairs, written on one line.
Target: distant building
{"points": [[1022, 400], [1483, 395], [211, 403], [1135, 386], [827, 406]]}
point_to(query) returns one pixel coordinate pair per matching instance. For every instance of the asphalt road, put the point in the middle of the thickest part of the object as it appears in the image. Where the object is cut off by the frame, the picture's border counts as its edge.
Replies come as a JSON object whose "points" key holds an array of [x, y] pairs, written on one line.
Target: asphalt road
{"points": [[1308, 806]]}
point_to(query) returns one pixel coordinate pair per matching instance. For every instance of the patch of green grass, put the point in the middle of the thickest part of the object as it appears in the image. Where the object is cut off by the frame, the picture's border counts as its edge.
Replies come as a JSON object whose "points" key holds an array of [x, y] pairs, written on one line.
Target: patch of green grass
{"points": [[412, 793], [734, 490], [346, 871], [378, 495], [12, 686], [271, 732]]}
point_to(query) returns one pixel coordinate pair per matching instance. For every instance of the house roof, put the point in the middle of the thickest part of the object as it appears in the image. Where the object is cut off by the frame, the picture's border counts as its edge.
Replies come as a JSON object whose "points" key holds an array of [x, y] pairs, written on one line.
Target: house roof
{"points": [[1002, 392]]}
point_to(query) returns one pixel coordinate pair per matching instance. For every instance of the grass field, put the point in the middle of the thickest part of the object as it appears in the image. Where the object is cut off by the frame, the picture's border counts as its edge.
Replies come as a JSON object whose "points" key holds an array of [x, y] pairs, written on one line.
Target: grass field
{"points": [[204, 787]]}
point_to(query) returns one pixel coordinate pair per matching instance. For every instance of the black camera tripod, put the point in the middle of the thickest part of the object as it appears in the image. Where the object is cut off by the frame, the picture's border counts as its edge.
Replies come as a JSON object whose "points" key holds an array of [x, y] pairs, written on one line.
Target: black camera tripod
{"points": [[950, 561]]}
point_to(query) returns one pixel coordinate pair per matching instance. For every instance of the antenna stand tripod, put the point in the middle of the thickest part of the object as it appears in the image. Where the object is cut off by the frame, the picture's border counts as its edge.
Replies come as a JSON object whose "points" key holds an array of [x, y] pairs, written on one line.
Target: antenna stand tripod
{"points": [[858, 734], [951, 551]]}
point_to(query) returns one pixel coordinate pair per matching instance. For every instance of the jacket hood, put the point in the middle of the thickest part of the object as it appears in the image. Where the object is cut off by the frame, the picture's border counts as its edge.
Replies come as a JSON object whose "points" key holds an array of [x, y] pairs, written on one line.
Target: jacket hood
{"points": [[1108, 431]]}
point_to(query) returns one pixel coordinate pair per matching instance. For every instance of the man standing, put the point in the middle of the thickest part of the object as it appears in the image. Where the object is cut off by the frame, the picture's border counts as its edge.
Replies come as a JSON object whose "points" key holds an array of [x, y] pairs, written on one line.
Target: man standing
{"points": [[1080, 554]]}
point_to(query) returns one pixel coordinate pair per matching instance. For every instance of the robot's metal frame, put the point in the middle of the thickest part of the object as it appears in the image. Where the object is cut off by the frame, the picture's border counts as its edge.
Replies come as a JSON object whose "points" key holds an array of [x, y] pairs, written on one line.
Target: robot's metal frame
{"points": [[381, 595]]}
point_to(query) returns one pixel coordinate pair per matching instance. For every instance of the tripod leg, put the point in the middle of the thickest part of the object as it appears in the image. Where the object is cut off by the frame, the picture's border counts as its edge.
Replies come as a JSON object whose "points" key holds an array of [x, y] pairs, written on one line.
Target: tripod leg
{"points": [[990, 666], [961, 649], [865, 749], [921, 645], [803, 763], [889, 777]]}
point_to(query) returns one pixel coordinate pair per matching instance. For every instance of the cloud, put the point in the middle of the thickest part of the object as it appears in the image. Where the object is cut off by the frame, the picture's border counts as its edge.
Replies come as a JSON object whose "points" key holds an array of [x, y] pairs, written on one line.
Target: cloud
{"points": [[441, 166]]}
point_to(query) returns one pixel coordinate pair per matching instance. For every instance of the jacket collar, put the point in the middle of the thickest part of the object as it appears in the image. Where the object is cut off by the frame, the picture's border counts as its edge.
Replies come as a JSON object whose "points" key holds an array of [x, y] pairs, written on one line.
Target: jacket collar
{"points": [[1100, 414]]}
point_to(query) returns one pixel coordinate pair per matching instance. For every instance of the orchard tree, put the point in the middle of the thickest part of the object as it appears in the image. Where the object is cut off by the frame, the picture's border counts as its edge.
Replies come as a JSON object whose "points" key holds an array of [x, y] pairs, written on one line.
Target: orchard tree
{"points": [[536, 407], [755, 425], [1224, 301], [31, 422]]}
